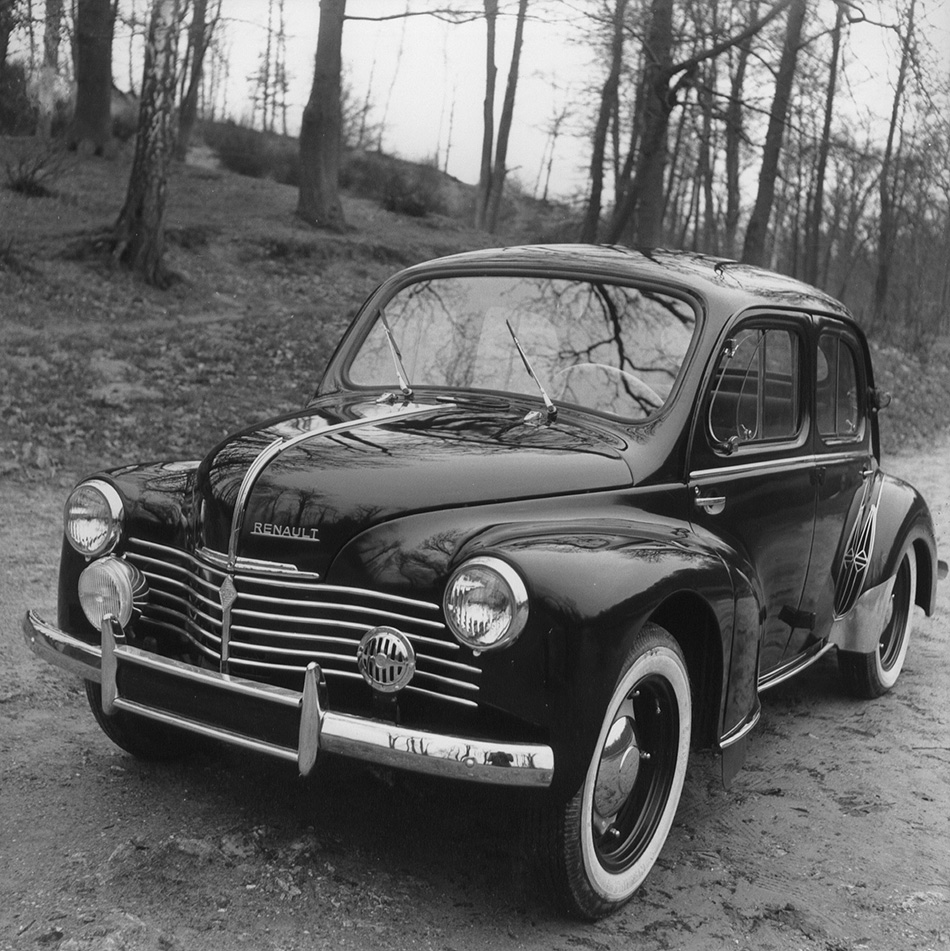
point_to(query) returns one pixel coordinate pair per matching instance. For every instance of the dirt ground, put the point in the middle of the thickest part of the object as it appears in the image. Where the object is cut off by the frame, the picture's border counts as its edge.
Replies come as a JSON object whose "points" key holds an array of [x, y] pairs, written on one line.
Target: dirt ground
{"points": [[835, 836]]}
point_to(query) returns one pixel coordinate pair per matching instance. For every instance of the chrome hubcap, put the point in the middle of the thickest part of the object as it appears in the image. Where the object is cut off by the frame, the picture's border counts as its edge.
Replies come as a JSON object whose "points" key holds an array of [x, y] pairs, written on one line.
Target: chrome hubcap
{"points": [[618, 770]]}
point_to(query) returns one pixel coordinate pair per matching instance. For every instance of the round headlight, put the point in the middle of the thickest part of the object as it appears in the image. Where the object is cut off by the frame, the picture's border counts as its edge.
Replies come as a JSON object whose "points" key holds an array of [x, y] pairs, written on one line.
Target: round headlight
{"points": [[486, 603], [93, 518], [110, 586]]}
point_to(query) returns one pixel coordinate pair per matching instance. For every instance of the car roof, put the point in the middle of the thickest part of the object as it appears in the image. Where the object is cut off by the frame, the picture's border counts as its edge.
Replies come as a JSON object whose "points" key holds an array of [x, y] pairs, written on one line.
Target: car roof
{"points": [[726, 283]]}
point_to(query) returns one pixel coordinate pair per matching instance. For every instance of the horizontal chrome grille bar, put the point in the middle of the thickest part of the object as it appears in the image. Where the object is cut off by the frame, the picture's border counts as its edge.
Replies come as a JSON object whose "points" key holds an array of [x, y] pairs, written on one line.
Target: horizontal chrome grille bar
{"points": [[281, 622]]}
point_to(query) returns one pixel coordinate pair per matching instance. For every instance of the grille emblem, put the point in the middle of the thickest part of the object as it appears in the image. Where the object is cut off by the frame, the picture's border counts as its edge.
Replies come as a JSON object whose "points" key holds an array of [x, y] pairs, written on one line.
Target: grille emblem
{"points": [[227, 595], [386, 659]]}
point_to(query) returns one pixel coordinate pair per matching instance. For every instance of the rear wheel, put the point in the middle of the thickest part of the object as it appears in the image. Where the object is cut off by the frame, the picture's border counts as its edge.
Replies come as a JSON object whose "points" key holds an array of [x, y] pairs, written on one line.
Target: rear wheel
{"points": [[870, 675], [136, 735], [601, 844]]}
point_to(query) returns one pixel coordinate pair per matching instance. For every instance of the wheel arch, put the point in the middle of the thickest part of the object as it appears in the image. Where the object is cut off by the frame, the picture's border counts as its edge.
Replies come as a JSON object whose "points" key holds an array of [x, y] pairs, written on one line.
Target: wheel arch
{"points": [[905, 520], [925, 595], [692, 623]]}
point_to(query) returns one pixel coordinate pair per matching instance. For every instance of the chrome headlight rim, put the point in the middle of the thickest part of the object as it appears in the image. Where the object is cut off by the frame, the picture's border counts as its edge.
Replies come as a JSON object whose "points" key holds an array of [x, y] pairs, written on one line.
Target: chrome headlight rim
{"points": [[516, 594], [113, 506]]}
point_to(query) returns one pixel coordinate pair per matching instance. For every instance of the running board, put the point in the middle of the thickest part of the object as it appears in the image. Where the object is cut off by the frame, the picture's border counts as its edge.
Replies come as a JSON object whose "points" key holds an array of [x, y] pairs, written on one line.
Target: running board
{"points": [[776, 677]]}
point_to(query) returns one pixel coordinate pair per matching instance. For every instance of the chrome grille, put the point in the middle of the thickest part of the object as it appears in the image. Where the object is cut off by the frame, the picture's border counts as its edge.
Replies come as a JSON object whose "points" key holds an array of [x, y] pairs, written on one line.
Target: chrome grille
{"points": [[281, 623]]}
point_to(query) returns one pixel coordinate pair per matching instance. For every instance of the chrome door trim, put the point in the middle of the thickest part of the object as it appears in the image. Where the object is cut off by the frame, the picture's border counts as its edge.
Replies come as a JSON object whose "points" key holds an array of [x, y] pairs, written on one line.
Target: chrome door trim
{"points": [[766, 466]]}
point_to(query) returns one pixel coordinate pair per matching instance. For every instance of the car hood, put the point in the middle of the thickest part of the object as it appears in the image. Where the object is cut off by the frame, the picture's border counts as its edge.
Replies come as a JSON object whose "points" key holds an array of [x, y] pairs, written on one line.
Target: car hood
{"points": [[305, 484]]}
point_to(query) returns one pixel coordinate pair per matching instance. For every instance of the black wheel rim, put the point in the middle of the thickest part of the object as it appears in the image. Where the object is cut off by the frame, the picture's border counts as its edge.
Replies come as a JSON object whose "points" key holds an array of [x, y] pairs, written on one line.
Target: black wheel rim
{"points": [[656, 720], [892, 637]]}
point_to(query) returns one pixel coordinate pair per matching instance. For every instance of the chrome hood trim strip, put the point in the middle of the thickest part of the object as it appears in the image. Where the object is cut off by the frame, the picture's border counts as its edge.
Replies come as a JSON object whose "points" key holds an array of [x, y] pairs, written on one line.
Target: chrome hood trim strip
{"points": [[282, 444]]}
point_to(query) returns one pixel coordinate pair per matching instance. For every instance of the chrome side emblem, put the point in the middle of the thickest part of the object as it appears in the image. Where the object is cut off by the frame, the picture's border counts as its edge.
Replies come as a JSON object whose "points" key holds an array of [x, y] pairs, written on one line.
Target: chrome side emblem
{"points": [[856, 561], [386, 659]]}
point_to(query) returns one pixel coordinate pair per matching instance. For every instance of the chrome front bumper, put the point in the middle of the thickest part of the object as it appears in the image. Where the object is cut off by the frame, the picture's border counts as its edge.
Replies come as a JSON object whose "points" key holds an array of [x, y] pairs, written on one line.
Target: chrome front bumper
{"points": [[503, 764]]}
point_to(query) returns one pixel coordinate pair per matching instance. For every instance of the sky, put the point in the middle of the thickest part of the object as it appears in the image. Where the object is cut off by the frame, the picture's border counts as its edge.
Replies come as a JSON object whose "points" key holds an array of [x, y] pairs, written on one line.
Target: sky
{"points": [[426, 78]]}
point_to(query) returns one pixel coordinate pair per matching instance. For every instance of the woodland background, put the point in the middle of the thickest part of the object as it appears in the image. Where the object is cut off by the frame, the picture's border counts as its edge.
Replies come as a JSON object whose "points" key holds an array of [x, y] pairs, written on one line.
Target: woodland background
{"points": [[178, 233]]}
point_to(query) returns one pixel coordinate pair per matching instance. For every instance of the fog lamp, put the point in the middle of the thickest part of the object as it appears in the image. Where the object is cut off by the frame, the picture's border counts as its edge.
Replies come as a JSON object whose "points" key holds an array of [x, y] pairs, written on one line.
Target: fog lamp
{"points": [[111, 586]]}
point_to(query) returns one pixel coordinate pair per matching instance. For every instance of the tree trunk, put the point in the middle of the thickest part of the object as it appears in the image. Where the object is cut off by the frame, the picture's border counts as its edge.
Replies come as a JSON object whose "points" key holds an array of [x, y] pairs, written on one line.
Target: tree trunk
{"points": [[500, 171], [488, 116], [608, 109], [709, 242], [8, 23], [51, 33], [658, 107], [734, 135], [140, 230], [887, 187], [816, 209], [199, 38], [47, 76], [753, 251], [321, 130], [95, 23]]}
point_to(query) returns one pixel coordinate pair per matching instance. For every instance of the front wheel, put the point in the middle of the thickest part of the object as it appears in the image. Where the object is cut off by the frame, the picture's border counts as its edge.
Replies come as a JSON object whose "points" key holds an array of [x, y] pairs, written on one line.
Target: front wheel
{"points": [[870, 675], [602, 843]]}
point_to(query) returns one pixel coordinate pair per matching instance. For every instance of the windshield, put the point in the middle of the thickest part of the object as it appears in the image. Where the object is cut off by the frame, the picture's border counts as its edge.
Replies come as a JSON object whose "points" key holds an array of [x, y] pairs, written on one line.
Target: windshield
{"points": [[608, 347]]}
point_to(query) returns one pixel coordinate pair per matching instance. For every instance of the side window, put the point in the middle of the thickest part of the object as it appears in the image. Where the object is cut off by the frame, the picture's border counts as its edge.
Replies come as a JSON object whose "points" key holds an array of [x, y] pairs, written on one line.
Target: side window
{"points": [[839, 410], [756, 389]]}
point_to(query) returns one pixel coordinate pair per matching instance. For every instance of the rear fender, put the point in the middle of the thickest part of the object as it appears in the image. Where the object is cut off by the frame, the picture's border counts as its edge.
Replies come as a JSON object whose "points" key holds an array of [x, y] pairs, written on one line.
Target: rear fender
{"points": [[893, 519], [904, 519], [893, 515]]}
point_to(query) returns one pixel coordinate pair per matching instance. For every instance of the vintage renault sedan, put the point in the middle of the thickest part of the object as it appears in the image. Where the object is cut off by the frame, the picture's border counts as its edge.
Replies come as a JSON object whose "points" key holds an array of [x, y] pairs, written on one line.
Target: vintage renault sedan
{"points": [[553, 516]]}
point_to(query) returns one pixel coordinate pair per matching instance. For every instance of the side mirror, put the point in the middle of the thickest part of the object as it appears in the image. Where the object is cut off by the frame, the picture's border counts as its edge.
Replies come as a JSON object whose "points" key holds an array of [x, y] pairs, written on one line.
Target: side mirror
{"points": [[879, 399]]}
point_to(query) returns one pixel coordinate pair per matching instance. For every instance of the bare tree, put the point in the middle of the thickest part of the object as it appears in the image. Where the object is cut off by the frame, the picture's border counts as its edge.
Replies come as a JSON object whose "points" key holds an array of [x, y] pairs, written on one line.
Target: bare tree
{"points": [[400, 49], [639, 209], [270, 79], [139, 234], [200, 33], [9, 21], [813, 222], [886, 191], [488, 115], [607, 110], [753, 251], [52, 33], [321, 129], [559, 116], [734, 134], [95, 24], [499, 171]]}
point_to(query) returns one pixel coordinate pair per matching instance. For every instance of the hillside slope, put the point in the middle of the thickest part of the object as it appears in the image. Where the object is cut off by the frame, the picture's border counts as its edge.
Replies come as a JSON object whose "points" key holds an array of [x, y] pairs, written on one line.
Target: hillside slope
{"points": [[97, 368]]}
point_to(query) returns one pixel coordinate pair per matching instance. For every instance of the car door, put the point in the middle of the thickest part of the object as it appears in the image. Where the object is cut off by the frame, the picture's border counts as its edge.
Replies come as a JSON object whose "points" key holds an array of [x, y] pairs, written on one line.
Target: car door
{"points": [[844, 466], [752, 474]]}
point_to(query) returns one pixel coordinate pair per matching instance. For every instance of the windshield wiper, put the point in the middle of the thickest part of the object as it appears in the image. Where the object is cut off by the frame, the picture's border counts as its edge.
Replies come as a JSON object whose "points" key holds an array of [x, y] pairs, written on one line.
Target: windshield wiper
{"points": [[550, 408], [397, 359]]}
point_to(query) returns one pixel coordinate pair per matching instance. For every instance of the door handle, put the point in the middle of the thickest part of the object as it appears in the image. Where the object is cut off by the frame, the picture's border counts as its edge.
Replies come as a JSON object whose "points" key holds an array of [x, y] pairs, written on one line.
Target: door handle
{"points": [[713, 504]]}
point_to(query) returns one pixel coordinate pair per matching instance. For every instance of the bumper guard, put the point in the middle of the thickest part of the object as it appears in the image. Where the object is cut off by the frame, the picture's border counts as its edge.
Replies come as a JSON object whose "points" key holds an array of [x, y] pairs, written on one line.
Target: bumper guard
{"points": [[387, 744]]}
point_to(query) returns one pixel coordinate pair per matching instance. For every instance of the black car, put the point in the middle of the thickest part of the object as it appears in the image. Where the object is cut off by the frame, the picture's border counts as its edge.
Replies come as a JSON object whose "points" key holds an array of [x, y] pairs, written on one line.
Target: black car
{"points": [[554, 515]]}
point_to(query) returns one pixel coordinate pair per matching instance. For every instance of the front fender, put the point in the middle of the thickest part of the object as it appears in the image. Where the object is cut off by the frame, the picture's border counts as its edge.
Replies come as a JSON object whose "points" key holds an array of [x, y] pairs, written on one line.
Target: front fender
{"points": [[591, 590], [156, 498]]}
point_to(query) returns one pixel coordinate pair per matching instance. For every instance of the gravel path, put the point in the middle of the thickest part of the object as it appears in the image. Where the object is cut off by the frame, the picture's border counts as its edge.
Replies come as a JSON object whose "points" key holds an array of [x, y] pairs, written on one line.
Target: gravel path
{"points": [[835, 836]]}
